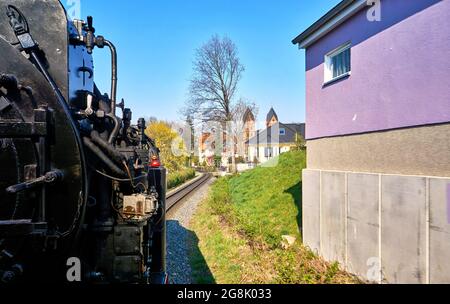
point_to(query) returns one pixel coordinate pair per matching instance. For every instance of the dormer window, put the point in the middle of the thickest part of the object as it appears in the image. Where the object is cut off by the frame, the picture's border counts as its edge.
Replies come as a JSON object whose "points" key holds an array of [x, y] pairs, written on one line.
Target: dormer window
{"points": [[282, 131], [338, 63]]}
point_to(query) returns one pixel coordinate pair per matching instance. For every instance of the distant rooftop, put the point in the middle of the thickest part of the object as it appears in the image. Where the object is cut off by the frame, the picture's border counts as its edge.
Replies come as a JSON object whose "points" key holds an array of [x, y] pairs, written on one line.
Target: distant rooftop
{"points": [[271, 114], [290, 130]]}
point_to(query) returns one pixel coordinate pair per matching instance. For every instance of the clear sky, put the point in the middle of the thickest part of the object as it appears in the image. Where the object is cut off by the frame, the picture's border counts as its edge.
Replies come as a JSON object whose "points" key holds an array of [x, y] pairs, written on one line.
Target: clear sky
{"points": [[157, 39]]}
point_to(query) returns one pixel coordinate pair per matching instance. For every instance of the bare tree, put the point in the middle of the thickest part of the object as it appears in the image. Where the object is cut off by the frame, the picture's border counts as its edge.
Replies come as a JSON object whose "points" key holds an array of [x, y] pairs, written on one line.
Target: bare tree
{"points": [[217, 72], [213, 88]]}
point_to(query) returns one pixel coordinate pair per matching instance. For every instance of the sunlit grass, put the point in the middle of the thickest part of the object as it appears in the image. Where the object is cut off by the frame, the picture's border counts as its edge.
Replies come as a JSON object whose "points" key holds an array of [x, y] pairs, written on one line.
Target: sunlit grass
{"points": [[239, 230]]}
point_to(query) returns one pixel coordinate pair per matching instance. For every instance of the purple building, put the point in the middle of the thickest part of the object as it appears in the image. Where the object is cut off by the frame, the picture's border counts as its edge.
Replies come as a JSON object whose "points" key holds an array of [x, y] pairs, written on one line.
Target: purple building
{"points": [[376, 193]]}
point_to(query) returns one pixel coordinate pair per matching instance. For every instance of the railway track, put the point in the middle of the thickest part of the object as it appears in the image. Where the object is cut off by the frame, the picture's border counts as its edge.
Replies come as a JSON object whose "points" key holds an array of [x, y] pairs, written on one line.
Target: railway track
{"points": [[176, 196]]}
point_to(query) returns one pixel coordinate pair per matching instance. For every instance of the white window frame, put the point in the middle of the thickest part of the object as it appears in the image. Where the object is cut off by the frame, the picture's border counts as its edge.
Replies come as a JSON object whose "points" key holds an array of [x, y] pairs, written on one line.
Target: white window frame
{"points": [[328, 77], [282, 131], [268, 152]]}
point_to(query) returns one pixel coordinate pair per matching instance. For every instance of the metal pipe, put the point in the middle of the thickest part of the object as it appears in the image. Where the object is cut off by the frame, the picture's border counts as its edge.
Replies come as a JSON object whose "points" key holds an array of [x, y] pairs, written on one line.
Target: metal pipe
{"points": [[116, 128], [112, 152], [108, 162], [113, 75], [113, 97]]}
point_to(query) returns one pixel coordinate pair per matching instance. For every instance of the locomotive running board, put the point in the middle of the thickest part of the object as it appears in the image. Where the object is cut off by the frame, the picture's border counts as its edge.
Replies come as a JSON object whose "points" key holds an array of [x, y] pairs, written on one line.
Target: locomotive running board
{"points": [[18, 228], [22, 129]]}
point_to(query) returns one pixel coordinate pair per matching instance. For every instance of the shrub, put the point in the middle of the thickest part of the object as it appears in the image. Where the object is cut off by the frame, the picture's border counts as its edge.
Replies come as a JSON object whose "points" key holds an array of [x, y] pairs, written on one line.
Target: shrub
{"points": [[178, 178]]}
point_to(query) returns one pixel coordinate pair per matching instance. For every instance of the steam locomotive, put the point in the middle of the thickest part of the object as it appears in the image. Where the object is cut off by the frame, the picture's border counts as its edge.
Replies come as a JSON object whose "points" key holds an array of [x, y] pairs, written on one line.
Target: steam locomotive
{"points": [[79, 185]]}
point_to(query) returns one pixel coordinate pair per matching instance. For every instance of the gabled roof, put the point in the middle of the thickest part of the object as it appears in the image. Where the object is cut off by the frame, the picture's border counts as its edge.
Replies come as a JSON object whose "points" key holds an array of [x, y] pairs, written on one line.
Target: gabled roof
{"points": [[292, 129], [337, 15], [271, 114], [248, 115], [265, 136]]}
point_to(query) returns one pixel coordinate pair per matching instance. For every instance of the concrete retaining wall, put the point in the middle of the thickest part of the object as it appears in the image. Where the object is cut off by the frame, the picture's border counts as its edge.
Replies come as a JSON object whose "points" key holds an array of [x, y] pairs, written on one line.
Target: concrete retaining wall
{"points": [[384, 228]]}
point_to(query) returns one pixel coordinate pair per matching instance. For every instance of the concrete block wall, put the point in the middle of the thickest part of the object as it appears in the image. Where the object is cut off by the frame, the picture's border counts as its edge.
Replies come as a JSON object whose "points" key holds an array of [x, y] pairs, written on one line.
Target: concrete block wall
{"points": [[384, 228]]}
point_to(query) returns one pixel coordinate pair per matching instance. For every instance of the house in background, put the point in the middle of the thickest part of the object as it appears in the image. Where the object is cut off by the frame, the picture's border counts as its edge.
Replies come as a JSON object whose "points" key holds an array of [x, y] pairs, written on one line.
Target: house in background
{"points": [[211, 150], [249, 132], [276, 139], [272, 118], [376, 193], [206, 148]]}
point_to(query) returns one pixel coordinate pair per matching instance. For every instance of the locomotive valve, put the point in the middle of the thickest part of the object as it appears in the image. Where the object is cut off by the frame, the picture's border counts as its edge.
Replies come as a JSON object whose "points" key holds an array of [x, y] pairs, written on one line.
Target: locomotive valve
{"points": [[49, 178]]}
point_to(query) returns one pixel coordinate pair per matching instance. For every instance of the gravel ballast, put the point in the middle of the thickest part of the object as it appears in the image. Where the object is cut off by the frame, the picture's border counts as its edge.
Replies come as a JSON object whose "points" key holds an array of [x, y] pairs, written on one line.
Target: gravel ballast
{"points": [[178, 232]]}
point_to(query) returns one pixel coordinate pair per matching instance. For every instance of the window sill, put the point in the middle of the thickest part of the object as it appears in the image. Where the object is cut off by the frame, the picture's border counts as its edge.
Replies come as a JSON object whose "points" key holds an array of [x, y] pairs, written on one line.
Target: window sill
{"points": [[336, 79]]}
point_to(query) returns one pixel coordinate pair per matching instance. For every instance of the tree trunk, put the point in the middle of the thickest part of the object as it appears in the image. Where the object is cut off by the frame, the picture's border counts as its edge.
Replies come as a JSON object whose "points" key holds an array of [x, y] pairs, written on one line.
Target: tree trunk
{"points": [[233, 163]]}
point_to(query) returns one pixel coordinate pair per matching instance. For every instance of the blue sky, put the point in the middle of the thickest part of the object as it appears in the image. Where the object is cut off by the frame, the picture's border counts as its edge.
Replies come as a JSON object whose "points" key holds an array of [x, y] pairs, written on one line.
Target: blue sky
{"points": [[157, 39]]}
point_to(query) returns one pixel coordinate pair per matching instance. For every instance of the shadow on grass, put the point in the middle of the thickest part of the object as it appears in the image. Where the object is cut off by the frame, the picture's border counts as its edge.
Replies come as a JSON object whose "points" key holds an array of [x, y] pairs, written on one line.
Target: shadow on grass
{"points": [[296, 192], [185, 261], [201, 274]]}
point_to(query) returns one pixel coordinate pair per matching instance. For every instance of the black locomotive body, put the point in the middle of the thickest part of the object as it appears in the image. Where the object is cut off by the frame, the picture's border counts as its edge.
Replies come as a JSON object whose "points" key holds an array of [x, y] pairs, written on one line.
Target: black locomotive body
{"points": [[79, 185]]}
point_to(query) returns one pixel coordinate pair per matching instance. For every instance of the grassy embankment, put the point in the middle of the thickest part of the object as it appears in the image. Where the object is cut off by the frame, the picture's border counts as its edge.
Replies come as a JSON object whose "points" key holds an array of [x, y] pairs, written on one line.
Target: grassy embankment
{"points": [[237, 232], [178, 178]]}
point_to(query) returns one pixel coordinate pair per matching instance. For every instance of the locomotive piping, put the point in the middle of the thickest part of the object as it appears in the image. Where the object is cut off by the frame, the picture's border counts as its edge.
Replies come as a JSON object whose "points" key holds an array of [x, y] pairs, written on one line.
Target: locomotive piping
{"points": [[116, 155], [113, 75], [114, 79], [116, 128], [102, 156]]}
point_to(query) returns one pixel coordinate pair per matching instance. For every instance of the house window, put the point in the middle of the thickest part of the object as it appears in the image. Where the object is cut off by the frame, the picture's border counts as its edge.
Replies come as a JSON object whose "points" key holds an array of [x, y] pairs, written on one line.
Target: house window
{"points": [[268, 152], [338, 63], [282, 131]]}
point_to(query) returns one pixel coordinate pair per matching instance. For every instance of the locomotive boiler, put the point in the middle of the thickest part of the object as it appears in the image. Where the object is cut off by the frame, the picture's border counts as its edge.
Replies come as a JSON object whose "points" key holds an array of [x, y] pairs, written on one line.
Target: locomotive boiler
{"points": [[82, 189]]}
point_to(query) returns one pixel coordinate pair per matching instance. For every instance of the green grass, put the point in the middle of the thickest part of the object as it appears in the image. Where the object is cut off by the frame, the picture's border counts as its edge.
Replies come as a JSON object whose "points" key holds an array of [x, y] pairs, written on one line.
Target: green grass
{"points": [[220, 255], [266, 200], [239, 230], [178, 178]]}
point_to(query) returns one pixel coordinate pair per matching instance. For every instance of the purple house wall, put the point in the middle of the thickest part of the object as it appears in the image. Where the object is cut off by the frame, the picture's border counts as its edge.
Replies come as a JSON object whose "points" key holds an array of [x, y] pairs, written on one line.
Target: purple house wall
{"points": [[394, 81], [376, 189]]}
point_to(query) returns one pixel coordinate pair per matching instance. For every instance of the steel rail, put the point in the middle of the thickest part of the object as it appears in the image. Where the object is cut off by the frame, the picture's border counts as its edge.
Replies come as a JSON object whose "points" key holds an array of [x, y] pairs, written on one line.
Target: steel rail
{"points": [[173, 198]]}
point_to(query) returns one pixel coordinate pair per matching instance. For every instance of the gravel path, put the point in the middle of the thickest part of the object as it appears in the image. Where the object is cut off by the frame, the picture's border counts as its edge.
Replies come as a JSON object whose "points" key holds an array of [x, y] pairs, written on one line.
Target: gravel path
{"points": [[177, 235]]}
